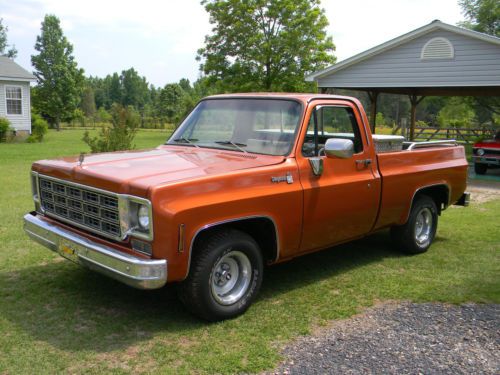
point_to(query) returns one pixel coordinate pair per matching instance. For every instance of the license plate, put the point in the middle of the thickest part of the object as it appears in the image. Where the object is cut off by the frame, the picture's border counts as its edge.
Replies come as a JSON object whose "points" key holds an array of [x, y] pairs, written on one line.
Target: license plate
{"points": [[68, 250]]}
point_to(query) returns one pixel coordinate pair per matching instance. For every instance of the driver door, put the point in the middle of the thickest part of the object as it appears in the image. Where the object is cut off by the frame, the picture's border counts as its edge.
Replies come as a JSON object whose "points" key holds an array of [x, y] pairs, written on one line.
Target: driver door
{"points": [[342, 202]]}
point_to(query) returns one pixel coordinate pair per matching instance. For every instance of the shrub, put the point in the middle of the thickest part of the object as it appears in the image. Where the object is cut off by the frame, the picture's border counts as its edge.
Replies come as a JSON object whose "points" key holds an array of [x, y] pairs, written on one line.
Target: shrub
{"points": [[39, 128], [379, 119], [4, 128], [120, 135], [421, 124]]}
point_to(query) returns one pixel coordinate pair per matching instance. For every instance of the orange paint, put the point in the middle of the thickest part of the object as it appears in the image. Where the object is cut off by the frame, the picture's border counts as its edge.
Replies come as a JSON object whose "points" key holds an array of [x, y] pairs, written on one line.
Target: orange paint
{"points": [[197, 187]]}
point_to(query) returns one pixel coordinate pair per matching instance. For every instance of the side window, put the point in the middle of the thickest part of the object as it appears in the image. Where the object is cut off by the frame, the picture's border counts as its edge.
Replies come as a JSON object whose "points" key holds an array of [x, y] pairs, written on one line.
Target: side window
{"points": [[331, 122]]}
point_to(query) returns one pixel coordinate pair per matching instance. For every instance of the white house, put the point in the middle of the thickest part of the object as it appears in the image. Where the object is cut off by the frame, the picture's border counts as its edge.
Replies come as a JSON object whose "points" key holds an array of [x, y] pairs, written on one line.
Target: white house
{"points": [[15, 95]]}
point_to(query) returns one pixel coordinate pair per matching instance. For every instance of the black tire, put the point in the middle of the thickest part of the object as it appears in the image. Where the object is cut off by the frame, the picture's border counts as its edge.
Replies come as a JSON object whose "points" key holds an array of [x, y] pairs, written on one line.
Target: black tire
{"points": [[480, 168], [417, 234], [216, 260]]}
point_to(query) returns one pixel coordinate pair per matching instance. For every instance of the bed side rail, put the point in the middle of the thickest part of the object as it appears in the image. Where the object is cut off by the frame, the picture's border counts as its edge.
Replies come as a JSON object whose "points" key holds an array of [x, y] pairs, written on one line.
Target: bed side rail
{"points": [[443, 143]]}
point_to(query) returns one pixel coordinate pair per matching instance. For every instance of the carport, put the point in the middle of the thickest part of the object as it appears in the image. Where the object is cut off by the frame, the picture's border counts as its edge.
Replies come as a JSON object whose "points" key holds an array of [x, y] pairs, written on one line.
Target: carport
{"points": [[434, 60]]}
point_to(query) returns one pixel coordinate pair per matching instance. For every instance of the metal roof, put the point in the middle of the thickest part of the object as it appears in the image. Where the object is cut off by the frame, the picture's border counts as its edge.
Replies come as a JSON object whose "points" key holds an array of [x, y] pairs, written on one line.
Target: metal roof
{"points": [[11, 71]]}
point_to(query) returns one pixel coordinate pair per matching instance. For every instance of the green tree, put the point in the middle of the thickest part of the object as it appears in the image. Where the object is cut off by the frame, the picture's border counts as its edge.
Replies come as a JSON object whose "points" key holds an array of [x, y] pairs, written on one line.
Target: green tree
{"points": [[482, 15], [172, 102], [88, 102], [265, 44], [135, 89], [120, 135], [60, 81], [114, 87], [12, 52], [455, 113]]}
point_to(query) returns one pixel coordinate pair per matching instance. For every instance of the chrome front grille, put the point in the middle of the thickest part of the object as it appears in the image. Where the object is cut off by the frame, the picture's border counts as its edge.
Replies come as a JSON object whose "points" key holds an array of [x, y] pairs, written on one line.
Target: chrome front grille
{"points": [[84, 207]]}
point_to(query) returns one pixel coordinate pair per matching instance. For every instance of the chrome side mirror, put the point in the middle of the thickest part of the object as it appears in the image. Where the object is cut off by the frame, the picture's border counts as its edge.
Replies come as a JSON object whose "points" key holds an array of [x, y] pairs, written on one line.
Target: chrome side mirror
{"points": [[341, 148]]}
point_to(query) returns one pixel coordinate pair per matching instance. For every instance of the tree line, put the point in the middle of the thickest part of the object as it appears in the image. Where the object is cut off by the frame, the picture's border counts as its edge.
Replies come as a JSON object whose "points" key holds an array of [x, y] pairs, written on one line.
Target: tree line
{"points": [[155, 106], [256, 45]]}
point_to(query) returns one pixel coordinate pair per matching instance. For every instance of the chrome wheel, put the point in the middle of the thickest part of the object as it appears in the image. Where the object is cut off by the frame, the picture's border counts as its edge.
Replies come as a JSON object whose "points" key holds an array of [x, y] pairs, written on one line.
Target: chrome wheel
{"points": [[423, 226], [231, 277]]}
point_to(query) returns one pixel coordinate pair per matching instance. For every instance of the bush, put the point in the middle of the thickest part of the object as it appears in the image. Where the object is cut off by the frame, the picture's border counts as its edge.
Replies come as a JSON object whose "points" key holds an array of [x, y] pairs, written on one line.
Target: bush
{"points": [[120, 135], [39, 128], [4, 128], [379, 119]]}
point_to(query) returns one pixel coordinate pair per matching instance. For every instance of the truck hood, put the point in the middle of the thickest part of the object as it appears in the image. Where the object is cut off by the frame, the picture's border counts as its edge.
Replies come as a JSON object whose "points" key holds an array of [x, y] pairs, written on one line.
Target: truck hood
{"points": [[134, 172]]}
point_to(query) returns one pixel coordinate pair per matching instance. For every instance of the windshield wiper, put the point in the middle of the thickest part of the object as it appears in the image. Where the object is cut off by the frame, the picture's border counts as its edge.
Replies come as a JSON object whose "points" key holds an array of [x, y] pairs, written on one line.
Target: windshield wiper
{"points": [[234, 144], [186, 140]]}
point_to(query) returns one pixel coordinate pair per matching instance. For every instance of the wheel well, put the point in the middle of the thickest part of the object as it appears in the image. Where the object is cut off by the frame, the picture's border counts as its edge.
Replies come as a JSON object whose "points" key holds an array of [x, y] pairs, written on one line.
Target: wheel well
{"points": [[439, 193], [262, 230]]}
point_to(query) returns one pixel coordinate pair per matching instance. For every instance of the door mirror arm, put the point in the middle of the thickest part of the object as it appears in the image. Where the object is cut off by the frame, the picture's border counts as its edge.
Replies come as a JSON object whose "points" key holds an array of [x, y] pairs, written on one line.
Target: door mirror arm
{"points": [[316, 164]]}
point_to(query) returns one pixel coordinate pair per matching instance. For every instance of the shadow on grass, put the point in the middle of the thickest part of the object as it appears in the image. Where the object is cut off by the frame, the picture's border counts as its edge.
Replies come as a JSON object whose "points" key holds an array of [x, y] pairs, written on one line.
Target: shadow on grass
{"points": [[75, 309]]}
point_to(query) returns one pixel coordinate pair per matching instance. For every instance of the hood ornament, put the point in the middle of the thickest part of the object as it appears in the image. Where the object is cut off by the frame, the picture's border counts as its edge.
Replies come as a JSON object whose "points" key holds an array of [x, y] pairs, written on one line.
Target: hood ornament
{"points": [[81, 158]]}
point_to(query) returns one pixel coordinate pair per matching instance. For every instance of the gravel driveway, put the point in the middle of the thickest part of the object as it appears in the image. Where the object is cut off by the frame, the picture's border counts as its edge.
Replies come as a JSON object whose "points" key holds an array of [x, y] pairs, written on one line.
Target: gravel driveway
{"points": [[404, 338]]}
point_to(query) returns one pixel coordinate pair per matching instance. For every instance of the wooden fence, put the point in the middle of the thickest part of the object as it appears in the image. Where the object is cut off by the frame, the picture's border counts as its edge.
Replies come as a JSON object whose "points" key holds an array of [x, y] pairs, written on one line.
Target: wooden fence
{"points": [[462, 135]]}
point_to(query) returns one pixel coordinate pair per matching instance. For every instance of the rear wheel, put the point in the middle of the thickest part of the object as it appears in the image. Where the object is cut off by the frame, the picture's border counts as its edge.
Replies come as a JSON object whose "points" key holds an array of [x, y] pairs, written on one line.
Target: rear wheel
{"points": [[225, 276], [417, 234], [480, 168]]}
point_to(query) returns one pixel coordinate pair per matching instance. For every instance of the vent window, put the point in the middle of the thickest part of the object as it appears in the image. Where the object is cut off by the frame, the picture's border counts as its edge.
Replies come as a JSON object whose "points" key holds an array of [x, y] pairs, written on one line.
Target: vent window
{"points": [[437, 48]]}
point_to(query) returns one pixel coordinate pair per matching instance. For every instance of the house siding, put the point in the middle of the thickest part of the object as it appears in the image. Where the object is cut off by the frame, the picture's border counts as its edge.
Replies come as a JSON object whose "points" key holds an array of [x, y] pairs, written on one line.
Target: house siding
{"points": [[476, 63], [18, 122]]}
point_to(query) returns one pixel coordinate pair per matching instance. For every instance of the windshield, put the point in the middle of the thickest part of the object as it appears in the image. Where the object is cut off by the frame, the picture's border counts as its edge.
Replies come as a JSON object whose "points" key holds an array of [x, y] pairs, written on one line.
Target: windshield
{"points": [[262, 126]]}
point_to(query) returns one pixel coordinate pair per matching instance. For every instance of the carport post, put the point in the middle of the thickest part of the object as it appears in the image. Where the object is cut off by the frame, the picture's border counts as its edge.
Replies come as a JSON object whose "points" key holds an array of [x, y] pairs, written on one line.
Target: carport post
{"points": [[373, 95], [414, 100]]}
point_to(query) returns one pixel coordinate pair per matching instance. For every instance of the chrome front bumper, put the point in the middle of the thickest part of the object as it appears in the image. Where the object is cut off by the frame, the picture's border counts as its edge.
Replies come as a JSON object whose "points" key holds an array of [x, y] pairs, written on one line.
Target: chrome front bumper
{"points": [[134, 271]]}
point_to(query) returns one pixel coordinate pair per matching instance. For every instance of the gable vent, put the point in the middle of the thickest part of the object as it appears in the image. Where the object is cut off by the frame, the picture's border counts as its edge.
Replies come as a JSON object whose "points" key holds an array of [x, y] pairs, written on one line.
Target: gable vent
{"points": [[437, 48]]}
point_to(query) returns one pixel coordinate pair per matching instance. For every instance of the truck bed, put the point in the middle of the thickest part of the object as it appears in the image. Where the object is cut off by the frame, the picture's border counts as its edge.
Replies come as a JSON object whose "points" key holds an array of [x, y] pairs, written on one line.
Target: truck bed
{"points": [[402, 173]]}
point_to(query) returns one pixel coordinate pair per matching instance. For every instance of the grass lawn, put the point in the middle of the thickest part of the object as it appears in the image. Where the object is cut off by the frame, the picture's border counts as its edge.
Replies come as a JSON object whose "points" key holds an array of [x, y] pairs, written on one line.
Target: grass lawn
{"points": [[57, 317]]}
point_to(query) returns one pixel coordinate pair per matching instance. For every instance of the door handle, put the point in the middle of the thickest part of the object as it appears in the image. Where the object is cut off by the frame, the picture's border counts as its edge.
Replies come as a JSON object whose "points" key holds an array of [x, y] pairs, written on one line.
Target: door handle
{"points": [[365, 162]]}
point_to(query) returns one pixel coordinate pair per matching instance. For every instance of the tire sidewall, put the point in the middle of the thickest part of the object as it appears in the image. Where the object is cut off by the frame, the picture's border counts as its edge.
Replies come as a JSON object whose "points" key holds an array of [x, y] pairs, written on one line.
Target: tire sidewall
{"points": [[420, 205], [251, 250]]}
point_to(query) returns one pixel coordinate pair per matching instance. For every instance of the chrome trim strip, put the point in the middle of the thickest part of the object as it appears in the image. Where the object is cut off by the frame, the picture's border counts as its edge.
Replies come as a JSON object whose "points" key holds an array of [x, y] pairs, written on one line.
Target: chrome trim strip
{"points": [[347, 99], [214, 224], [123, 210], [487, 149], [137, 272], [446, 142]]}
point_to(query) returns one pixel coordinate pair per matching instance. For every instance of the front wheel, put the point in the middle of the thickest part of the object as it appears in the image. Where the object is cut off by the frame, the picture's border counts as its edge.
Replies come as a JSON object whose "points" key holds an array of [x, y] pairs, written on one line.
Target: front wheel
{"points": [[417, 234], [225, 276]]}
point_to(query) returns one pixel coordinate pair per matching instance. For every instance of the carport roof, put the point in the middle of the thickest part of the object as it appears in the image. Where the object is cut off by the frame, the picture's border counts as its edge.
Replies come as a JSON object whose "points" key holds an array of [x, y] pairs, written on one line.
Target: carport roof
{"points": [[328, 78]]}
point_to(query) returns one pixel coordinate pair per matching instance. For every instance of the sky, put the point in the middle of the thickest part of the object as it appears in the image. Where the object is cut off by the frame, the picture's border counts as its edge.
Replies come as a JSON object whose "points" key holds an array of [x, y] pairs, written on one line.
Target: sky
{"points": [[159, 38]]}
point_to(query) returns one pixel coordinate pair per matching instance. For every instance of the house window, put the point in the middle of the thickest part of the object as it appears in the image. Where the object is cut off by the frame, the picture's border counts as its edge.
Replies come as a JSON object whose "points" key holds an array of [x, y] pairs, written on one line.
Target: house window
{"points": [[14, 98]]}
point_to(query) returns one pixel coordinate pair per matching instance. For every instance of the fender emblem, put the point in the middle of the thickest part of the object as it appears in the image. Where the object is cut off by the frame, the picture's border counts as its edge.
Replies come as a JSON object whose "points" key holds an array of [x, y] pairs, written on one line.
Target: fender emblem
{"points": [[288, 178]]}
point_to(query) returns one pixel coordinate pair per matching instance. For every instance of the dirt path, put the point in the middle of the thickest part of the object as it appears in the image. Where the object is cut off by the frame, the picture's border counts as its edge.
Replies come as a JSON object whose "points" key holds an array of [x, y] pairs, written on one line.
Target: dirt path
{"points": [[483, 191]]}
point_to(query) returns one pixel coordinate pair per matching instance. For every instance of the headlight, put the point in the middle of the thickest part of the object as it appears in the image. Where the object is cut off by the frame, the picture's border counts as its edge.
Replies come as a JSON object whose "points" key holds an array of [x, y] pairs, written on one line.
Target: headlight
{"points": [[136, 217], [480, 152], [143, 217]]}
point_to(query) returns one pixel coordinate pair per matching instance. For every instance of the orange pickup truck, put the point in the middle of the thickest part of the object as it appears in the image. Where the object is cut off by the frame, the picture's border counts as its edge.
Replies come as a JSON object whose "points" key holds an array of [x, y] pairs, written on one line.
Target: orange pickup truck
{"points": [[246, 180]]}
